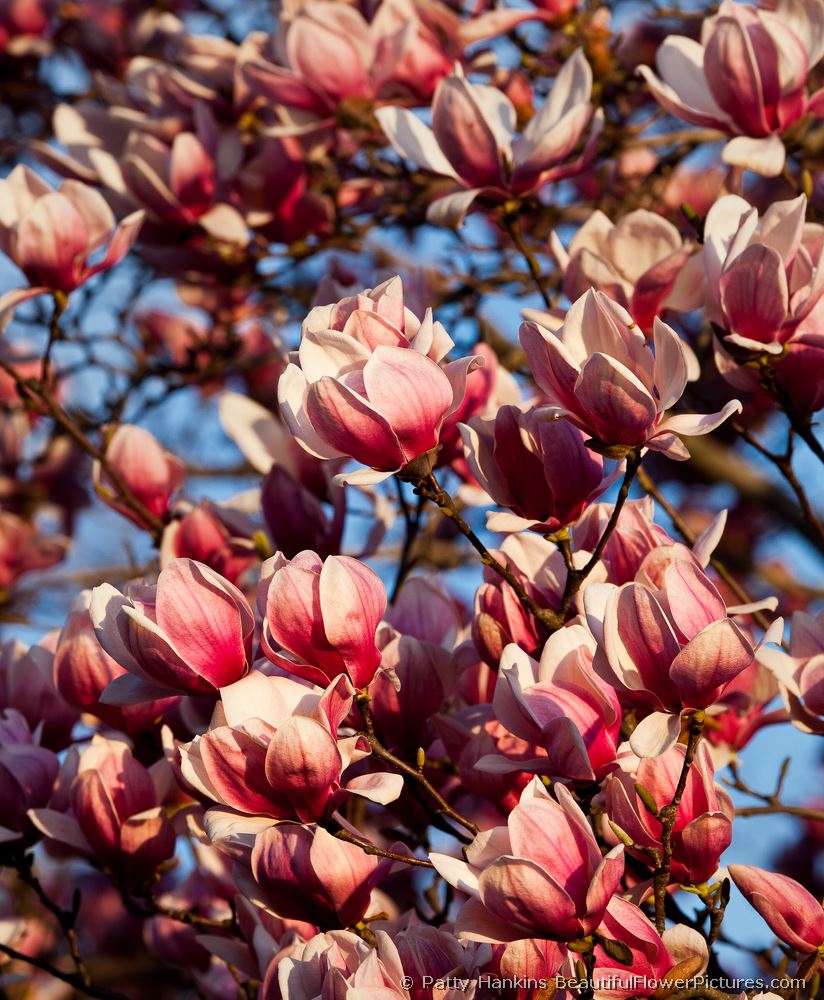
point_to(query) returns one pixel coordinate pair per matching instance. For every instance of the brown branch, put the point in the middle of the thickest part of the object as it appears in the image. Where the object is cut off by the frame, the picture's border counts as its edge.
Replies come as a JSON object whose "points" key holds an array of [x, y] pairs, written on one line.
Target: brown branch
{"points": [[33, 387], [667, 816], [379, 852], [431, 489], [442, 807], [512, 224], [73, 979], [22, 864], [575, 577]]}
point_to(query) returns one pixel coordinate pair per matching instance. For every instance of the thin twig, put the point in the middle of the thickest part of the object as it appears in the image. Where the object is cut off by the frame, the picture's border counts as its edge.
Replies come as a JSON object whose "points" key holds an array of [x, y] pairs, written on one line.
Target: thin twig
{"points": [[512, 224], [379, 750], [379, 852], [667, 816], [431, 489], [71, 978]]}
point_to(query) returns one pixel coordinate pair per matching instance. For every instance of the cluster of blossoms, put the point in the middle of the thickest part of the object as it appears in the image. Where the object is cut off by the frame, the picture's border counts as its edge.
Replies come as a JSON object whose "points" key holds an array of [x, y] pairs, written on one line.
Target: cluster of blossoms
{"points": [[277, 730]]}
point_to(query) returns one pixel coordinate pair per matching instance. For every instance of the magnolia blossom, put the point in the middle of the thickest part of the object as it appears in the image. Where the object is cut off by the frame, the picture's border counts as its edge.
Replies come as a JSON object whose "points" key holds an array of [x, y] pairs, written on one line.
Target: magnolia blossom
{"points": [[541, 875], [324, 614], [764, 275], [559, 704], [747, 77], [50, 235], [800, 673], [23, 549], [703, 823], [272, 748], [112, 809], [304, 873], [679, 953], [206, 534], [766, 280], [473, 141], [668, 646], [641, 262], [366, 384], [599, 369], [191, 632], [792, 913], [27, 773], [150, 472], [535, 464], [83, 670], [28, 684]]}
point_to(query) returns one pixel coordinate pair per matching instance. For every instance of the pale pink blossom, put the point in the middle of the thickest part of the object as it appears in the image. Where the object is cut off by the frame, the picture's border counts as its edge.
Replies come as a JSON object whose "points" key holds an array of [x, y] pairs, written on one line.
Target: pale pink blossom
{"points": [[642, 262], [50, 235], [473, 139], [792, 913], [150, 473], [668, 645], [703, 822], [800, 673], [747, 77], [273, 749], [541, 875], [113, 809], [27, 773], [600, 371], [367, 384], [559, 704], [191, 633]]}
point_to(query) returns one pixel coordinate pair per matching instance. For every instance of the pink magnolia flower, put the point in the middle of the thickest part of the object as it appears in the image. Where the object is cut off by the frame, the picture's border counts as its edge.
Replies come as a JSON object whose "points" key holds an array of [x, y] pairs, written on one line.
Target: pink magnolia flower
{"points": [[83, 670], [473, 141], [765, 275], [559, 704], [27, 773], [634, 537], [337, 961], [641, 262], [113, 810], [177, 182], [541, 875], [329, 53], [517, 449], [499, 617], [679, 953], [747, 77], [598, 345], [324, 614], [703, 823], [425, 674], [206, 534], [27, 684], [23, 25], [668, 648], [367, 384], [50, 235], [766, 283], [305, 873], [191, 632], [23, 549], [800, 674], [151, 474], [792, 913], [272, 749]]}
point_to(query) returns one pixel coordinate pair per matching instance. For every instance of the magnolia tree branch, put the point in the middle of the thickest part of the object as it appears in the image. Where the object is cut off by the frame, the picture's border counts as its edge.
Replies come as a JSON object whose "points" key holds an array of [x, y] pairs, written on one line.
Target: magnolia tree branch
{"points": [[431, 489], [73, 979], [67, 919], [667, 816], [442, 807], [33, 387]]}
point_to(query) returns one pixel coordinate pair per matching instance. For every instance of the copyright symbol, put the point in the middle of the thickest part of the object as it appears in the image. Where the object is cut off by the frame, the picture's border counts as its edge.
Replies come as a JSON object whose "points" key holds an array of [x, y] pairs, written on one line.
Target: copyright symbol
{"points": [[407, 982]]}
